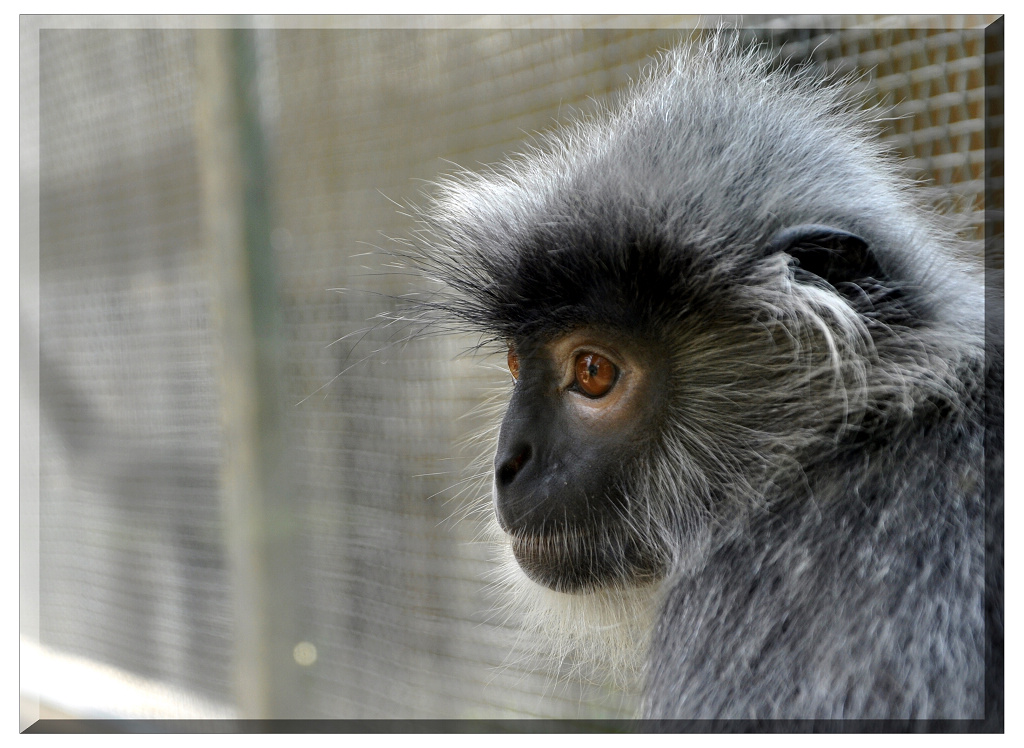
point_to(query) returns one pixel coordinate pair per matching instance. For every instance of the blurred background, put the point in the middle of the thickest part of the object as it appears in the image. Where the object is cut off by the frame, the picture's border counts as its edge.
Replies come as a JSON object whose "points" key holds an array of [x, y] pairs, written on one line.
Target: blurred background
{"points": [[240, 496]]}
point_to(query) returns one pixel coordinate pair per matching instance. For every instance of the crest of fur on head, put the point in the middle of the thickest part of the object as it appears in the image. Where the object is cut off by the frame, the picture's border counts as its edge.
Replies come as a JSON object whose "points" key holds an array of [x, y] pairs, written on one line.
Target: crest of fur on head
{"points": [[673, 210]]}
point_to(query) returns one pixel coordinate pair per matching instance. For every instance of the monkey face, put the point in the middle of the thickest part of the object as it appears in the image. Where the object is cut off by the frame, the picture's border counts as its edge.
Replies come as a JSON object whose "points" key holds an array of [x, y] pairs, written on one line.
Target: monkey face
{"points": [[584, 410]]}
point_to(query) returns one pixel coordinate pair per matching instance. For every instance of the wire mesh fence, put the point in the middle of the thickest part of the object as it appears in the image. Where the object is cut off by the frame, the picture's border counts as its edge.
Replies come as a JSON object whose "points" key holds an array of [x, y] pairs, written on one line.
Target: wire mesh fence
{"points": [[375, 598]]}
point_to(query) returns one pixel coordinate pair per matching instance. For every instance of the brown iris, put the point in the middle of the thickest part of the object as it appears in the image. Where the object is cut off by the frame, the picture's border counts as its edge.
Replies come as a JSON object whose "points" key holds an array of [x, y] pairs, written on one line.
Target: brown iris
{"points": [[513, 362], [595, 374]]}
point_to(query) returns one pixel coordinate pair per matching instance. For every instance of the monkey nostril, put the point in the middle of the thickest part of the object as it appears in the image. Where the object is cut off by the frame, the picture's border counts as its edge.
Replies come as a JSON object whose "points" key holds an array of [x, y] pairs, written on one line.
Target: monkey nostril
{"points": [[511, 467]]}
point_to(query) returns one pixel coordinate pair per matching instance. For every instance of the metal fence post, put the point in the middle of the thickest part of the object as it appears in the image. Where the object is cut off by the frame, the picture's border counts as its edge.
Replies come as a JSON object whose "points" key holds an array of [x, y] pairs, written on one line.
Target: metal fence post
{"points": [[260, 526]]}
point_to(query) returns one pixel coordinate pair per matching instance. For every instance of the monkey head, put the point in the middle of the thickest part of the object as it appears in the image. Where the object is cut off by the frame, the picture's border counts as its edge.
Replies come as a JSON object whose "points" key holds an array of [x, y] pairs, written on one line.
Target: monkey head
{"points": [[705, 295]]}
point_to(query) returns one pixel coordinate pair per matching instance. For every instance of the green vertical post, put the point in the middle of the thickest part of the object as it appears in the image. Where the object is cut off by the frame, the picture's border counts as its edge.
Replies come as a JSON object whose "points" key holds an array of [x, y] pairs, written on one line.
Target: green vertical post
{"points": [[260, 526]]}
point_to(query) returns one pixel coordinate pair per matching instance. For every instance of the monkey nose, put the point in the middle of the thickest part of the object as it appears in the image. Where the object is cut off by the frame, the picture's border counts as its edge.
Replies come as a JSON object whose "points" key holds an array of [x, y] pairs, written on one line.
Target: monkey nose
{"points": [[507, 469]]}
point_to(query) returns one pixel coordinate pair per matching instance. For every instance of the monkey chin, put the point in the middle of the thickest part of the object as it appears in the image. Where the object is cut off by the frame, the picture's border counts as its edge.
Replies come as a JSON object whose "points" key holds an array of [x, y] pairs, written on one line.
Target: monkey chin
{"points": [[578, 563], [586, 623]]}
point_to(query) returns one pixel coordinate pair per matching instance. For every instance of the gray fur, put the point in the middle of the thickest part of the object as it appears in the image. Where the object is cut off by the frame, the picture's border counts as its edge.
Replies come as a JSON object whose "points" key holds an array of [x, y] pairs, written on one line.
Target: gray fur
{"points": [[818, 479]]}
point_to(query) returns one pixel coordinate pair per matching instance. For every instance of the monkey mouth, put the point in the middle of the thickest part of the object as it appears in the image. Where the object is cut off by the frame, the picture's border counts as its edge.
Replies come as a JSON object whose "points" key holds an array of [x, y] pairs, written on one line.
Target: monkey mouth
{"points": [[577, 562]]}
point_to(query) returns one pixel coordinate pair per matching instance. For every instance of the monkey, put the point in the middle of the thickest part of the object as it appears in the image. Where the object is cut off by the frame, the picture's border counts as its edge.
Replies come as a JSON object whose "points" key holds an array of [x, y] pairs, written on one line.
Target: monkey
{"points": [[748, 395]]}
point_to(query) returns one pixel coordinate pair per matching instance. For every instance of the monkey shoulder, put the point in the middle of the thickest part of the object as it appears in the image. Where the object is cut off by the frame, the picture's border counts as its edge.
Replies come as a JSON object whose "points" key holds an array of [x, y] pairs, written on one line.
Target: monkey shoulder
{"points": [[863, 599]]}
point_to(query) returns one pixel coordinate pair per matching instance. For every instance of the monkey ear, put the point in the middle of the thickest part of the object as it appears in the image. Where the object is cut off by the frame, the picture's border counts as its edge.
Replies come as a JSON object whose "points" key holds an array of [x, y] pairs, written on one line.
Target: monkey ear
{"points": [[834, 255]]}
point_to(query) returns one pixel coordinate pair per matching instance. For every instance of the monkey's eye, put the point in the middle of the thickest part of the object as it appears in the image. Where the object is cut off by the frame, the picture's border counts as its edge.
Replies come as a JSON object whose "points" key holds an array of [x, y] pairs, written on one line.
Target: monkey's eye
{"points": [[595, 374], [513, 362]]}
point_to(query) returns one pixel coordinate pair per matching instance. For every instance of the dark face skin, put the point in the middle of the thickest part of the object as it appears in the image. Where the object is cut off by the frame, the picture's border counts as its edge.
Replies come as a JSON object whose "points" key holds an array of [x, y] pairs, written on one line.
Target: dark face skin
{"points": [[586, 407]]}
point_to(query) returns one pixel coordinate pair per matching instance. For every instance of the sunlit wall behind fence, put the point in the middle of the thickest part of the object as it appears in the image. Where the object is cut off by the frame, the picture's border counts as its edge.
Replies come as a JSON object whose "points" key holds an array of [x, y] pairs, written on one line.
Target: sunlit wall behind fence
{"points": [[249, 495]]}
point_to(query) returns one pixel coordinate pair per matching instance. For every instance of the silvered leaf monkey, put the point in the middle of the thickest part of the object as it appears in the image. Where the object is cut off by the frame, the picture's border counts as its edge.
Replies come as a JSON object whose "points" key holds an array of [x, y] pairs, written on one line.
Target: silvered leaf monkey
{"points": [[749, 383]]}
